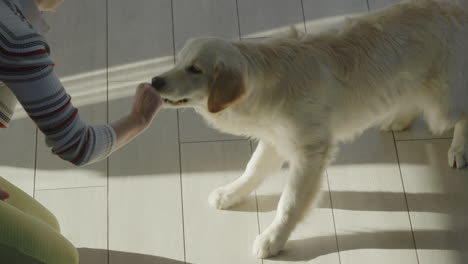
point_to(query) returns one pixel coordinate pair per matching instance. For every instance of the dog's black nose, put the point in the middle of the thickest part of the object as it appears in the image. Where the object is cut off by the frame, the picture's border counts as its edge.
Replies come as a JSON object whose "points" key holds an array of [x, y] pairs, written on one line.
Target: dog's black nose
{"points": [[158, 83]]}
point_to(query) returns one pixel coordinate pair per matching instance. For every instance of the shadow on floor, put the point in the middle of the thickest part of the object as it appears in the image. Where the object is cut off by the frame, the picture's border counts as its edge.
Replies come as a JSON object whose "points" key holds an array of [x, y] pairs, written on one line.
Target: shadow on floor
{"points": [[373, 147], [369, 201], [99, 256], [311, 248]]}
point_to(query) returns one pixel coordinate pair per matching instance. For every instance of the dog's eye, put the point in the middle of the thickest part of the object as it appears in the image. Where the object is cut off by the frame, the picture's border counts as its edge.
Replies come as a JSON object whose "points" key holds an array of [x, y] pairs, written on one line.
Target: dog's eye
{"points": [[194, 69]]}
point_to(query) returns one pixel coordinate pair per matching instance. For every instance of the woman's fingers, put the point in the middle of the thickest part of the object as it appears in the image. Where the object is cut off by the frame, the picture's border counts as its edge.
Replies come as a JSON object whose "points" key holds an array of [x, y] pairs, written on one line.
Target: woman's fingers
{"points": [[146, 102]]}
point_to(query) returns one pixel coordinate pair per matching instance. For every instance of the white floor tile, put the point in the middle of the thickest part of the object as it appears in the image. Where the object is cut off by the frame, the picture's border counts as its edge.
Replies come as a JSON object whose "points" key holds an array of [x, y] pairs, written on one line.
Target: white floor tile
{"points": [[78, 47], [140, 41], [17, 162], [82, 214], [216, 236], [370, 210], [145, 207], [376, 4], [202, 18], [315, 10], [437, 196], [323, 15], [324, 9], [266, 17], [78, 37]]}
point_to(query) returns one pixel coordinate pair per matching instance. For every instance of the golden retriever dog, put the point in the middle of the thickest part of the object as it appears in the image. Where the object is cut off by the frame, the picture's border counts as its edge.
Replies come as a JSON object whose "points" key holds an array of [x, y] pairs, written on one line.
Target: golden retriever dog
{"points": [[301, 95]]}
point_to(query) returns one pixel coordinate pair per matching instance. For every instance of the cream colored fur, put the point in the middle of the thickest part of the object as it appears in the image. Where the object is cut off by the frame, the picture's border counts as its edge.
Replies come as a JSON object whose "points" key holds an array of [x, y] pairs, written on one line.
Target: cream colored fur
{"points": [[303, 94]]}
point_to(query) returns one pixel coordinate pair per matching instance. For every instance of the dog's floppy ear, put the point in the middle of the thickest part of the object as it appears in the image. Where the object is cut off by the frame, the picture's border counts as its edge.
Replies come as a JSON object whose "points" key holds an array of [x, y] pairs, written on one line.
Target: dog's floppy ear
{"points": [[226, 87]]}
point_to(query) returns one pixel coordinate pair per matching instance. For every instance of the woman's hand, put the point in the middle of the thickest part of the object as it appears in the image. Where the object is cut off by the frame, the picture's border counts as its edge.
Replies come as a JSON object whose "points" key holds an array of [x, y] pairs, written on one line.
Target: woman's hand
{"points": [[146, 104], [3, 195], [48, 5]]}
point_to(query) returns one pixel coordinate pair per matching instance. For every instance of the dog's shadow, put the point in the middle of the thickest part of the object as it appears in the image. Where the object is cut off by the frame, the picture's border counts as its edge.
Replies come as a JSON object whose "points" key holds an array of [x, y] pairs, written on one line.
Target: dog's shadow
{"points": [[315, 247], [366, 201], [318, 246]]}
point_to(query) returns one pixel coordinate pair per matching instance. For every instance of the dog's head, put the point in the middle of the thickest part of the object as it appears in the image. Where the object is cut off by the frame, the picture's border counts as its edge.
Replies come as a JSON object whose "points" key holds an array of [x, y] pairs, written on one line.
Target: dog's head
{"points": [[209, 72]]}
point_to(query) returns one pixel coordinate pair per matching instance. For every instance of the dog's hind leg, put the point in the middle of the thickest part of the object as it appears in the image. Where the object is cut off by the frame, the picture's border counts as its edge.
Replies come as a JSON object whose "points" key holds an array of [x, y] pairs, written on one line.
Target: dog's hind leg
{"points": [[401, 121], [302, 189], [264, 162], [458, 152]]}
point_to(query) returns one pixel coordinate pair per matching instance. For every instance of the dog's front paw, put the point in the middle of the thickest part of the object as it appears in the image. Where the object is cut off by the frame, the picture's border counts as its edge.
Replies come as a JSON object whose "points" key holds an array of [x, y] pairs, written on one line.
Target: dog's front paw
{"points": [[268, 244], [222, 198], [457, 156]]}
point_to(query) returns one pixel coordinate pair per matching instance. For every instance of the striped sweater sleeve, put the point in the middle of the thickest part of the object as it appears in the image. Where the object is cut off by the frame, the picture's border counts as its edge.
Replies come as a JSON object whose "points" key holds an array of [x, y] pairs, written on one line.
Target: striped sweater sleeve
{"points": [[27, 69]]}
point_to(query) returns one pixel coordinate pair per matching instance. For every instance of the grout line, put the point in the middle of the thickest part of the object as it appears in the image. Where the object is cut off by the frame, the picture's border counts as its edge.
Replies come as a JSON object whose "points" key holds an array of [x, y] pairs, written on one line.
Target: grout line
{"points": [[303, 16], [71, 188], [179, 143], [255, 193], [173, 34], [107, 117], [35, 164], [406, 197], [181, 187], [238, 20], [421, 139], [333, 217]]}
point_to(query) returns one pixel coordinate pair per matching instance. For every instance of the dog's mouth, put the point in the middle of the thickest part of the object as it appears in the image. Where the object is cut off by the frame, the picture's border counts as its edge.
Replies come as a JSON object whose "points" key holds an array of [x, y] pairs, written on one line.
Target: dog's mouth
{"points": [[175, 103]]}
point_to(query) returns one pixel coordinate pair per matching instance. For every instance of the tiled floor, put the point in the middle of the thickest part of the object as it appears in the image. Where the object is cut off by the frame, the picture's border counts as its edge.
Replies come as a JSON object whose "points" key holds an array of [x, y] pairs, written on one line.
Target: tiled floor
{"points": [[389, 197]]}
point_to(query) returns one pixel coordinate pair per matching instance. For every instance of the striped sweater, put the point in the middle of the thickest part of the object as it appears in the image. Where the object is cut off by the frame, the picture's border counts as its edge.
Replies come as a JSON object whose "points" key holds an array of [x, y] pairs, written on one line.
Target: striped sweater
{"points": [[27, 73]]}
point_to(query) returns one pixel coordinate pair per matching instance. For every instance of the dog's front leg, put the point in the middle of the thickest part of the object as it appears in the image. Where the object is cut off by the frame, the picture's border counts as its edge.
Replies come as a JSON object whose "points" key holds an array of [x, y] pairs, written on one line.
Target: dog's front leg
{"points": [[264, 162], [458, 152], [303, 186]]}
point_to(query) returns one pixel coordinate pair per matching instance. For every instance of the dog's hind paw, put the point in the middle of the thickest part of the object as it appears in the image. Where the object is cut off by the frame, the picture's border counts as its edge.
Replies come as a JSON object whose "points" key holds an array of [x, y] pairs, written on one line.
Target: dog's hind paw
{"points": [[457, 156]]}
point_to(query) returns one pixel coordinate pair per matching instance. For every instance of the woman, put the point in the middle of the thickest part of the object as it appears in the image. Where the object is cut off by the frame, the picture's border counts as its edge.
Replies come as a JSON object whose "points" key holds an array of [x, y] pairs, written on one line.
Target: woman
{"points": [[27, 74]]}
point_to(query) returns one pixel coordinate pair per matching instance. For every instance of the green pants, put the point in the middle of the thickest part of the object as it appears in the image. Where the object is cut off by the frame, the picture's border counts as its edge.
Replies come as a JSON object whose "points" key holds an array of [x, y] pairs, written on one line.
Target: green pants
{"points": [[29, 233]]}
